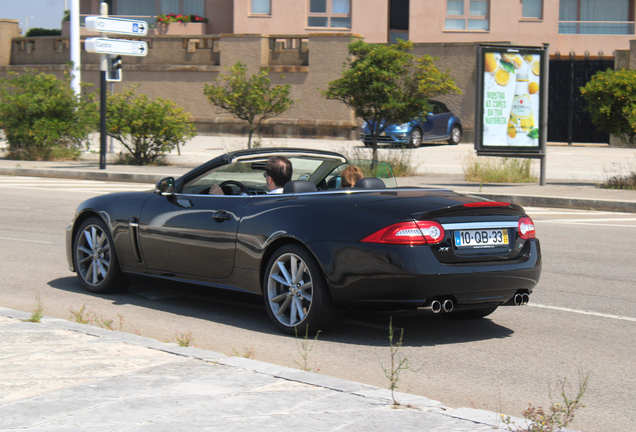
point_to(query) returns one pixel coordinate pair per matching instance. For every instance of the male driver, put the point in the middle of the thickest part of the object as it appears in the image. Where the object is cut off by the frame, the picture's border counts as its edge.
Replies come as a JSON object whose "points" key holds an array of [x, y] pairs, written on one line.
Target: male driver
{"points": [[278, 171]]}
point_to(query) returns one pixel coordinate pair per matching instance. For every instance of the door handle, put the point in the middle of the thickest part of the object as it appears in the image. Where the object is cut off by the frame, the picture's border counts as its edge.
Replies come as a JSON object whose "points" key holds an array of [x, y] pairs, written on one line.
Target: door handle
{"points": [[221, 215]]}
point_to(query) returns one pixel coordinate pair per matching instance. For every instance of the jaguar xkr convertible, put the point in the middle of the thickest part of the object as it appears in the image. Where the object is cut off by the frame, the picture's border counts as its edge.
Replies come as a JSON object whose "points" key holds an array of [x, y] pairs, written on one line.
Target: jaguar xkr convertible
{"points": [[316, 249]]}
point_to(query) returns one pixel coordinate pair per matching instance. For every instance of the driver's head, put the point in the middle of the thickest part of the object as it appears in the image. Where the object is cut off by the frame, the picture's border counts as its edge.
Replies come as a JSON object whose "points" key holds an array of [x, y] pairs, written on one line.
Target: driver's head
{"points": [[279, 170]]}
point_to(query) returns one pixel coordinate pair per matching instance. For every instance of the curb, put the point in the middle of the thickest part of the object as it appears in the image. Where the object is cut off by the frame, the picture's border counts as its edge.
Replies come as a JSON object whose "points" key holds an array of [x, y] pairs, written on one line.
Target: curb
{"points": [[83, 175], [561, 202]]}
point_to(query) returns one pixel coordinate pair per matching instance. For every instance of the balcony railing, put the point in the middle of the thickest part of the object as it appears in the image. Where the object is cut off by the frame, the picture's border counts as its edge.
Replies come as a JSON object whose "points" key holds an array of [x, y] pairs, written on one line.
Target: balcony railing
{"points": [[597, 27]]}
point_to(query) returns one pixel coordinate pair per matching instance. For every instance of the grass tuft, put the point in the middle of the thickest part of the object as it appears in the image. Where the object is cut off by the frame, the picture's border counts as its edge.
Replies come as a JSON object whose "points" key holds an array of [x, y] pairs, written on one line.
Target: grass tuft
{"points": [[497, 170]]}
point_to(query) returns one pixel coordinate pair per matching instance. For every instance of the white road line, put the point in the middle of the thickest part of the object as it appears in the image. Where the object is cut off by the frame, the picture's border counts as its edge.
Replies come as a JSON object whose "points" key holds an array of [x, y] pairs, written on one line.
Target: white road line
{"points": [[582, 312], [590, 220], [25, 240], [589, 223]]}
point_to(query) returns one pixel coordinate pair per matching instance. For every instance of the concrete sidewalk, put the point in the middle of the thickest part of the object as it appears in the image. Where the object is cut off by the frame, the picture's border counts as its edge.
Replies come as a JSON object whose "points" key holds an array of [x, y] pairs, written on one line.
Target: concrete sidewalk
{"points": [[61, 376]]}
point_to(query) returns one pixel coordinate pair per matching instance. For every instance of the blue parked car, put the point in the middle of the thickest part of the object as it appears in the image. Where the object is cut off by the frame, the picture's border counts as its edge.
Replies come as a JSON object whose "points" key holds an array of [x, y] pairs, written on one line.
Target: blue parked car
{"points": [[439, 125]]}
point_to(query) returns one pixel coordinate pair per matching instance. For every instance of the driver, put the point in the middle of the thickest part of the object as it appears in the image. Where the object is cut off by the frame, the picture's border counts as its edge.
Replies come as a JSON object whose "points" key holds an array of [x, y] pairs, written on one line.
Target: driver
{"points": [[278, 171]]}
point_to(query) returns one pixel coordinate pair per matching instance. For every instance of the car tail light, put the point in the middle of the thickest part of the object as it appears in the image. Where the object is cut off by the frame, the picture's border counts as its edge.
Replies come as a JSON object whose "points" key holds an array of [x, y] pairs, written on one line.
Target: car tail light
{"points": [[420, 232], [526, 228], [487, 204]]}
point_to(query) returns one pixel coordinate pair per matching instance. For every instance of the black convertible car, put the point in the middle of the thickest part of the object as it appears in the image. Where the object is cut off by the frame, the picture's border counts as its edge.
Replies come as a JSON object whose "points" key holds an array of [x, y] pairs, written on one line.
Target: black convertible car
{"points": [[317, 248]]}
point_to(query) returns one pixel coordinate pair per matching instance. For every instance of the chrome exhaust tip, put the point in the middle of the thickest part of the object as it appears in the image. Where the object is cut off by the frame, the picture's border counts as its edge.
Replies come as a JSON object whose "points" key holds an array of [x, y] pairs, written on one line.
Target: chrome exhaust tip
{"points": [[525, 298], [518, 299], [436, 306], [448, 306]]}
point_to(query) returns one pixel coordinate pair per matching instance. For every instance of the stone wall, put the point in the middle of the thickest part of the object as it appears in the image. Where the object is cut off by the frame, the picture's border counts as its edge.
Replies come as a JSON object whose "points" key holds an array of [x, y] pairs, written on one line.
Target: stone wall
{"points": [[179, 67]]}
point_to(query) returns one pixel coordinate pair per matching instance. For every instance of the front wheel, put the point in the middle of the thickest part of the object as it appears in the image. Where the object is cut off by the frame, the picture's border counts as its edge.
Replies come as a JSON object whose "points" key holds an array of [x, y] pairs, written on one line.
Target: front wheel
{"points": [[96, 259], [455, 135], [295, 293], [416, 138]]}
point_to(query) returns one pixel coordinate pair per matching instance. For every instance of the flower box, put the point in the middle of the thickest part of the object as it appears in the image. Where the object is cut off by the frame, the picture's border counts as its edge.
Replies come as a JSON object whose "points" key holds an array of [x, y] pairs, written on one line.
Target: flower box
{"points": [[181, 28]]}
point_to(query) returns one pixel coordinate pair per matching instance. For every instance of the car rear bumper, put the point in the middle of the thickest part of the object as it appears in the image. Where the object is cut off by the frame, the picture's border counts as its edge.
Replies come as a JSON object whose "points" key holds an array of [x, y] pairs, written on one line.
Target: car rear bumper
{"points": [[404, 277]]}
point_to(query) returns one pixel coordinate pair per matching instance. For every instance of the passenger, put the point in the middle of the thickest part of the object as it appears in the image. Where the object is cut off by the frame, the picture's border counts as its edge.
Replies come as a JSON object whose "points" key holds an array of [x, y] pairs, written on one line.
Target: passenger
{"points": [[278, 171], [350, 176]]}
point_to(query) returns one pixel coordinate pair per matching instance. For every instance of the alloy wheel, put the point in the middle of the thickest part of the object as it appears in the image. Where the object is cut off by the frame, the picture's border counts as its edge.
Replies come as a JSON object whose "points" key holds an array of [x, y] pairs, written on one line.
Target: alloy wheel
{"points": [[289, 289], [416, 138], [92, 255], [456, 135]]}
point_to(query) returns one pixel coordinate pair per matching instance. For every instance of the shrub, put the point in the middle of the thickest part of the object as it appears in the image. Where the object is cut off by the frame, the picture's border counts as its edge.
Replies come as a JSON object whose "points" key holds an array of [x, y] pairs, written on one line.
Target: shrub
{"points": [[42, 118], [498, 170], [611, 101], [38, 31], [147, 129], [250, 98]]}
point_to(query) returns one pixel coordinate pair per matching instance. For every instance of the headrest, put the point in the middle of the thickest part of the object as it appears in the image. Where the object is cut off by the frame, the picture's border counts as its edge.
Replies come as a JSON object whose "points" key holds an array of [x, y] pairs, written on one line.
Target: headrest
{"points": [[299, 186], [370, 183]]}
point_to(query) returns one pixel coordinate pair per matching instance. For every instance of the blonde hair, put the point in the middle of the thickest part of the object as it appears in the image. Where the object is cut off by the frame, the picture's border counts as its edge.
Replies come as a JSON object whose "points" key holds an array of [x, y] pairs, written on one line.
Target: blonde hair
{"points": [[350, 176]]}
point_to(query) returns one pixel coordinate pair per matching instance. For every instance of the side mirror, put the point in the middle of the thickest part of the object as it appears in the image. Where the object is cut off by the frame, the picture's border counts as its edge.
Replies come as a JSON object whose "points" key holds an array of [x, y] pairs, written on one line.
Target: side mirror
{"points": [[165, 187]]}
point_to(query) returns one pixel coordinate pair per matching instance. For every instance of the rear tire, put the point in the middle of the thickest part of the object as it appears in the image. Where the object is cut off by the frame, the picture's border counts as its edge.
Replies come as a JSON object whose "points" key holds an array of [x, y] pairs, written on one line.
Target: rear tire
{"points": [[455, 135], [95, 258], [473, 314], [295, 292]]}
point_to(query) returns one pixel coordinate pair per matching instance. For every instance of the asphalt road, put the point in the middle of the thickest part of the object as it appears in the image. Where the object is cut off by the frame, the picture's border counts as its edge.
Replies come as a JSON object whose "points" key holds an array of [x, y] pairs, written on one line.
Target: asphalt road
{"points": [[581, 316]]}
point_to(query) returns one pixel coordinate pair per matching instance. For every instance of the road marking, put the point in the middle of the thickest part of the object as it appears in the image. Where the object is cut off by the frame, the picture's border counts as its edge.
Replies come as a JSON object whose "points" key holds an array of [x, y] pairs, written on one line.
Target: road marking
{"points": [[25, 240], [582, 312], [87, 186], [589, 223]]}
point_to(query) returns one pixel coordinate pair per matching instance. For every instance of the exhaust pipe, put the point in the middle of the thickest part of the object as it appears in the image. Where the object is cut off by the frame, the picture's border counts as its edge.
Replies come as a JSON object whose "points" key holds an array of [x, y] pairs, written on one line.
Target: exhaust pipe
{"points": [[448, 306], [436, 306], [521, 299]]}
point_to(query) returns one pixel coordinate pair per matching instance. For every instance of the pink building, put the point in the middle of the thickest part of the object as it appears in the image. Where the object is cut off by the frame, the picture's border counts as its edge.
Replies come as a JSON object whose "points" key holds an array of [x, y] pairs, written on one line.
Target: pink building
{"points": [[578, 26]]}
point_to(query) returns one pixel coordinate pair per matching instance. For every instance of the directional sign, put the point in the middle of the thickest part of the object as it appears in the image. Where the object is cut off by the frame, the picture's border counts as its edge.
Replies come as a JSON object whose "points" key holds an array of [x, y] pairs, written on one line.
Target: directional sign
{"points": [[116, 25], [116, 46]]}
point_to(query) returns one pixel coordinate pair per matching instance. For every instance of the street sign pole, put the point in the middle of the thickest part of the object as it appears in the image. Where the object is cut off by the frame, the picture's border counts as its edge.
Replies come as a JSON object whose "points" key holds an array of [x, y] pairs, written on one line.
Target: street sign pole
{"points": [[103, 66], [112, 48]]}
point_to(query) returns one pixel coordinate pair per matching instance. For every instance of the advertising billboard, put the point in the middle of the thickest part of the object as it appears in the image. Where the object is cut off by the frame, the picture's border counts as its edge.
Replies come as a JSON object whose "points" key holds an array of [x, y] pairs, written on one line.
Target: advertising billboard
{"points": [[511, 99]]}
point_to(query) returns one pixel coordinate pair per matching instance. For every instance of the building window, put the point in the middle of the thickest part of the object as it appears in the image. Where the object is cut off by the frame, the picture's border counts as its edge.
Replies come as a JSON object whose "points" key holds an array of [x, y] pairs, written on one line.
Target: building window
{"points": [[145, 9], [261, 7], [596, 17], [398, 20], [329, 13], [467, 15], [532, 9]]}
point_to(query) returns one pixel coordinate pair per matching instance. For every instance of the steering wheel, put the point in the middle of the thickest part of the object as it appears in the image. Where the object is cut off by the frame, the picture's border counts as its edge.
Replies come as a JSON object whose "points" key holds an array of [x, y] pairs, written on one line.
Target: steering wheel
{"points": [[241, 186]]}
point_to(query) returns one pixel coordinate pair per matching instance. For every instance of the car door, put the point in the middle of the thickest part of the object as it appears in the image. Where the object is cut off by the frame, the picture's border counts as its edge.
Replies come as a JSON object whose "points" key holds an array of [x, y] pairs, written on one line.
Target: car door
{"points": [[441, 116], [191, 235]]}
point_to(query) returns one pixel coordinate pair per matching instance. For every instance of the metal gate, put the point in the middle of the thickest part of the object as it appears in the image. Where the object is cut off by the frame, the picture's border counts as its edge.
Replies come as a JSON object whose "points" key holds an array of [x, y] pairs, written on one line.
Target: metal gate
{"points": [[568, 121]]}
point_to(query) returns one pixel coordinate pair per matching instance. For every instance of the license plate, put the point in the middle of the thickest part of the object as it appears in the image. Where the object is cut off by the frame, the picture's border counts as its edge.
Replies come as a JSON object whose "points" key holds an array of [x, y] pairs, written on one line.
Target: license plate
{"points": [[480, 238]]}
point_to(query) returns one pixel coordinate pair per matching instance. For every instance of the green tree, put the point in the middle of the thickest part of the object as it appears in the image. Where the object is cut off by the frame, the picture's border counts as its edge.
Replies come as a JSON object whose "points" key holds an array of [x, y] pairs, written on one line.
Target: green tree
{"points": [[611, 101], [252, 98], [148, 129], [42, 118], [385, 84]]}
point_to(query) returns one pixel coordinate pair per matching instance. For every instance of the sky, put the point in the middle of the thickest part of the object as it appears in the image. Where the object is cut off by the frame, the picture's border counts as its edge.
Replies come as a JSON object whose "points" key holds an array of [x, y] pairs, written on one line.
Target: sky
{"points": [[42, 13]]}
